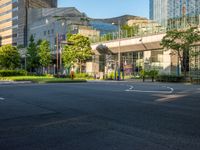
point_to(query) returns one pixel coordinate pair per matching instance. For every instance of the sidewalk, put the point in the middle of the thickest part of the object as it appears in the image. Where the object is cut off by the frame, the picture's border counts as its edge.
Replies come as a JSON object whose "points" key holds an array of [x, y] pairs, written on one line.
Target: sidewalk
{"points": [[119, 81], [14, 82]]}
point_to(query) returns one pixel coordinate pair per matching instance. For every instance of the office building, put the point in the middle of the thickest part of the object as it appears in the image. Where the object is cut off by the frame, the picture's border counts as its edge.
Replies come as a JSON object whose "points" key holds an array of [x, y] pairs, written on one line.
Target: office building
{"points": [[158, 11], [46, 23], [13, 19], [175, 13]]}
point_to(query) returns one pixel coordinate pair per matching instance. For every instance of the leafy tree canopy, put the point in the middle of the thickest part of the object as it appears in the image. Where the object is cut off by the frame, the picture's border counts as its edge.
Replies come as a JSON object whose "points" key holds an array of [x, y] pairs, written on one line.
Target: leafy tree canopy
{"points": [[44, 53], [9, 57], [180, 40], [32, 54], [78, 49]]}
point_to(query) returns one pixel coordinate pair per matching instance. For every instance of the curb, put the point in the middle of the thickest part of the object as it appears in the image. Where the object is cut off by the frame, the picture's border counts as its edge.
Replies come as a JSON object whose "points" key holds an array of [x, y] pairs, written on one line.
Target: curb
{"points": [[14, 82]]}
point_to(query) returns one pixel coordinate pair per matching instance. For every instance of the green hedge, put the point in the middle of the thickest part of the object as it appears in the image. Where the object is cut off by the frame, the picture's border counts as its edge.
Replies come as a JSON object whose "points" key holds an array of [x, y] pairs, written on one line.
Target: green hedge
{"points": [[82, 76], [8, 73], [170, 78]]}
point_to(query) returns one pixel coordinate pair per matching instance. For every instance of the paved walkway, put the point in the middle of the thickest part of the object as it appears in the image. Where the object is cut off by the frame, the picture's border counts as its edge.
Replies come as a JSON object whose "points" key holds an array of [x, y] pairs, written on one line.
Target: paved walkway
{"points": [[13, 82]]}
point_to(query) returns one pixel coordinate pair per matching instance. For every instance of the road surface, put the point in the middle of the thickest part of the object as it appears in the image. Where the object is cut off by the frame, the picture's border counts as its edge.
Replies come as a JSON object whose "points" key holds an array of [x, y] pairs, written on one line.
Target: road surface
{"points": [[100, 116]]}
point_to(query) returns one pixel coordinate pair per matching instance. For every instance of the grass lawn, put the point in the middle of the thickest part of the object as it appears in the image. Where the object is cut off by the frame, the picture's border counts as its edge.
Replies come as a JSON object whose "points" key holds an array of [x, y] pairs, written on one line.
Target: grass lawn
{"points": [[41, 79]]}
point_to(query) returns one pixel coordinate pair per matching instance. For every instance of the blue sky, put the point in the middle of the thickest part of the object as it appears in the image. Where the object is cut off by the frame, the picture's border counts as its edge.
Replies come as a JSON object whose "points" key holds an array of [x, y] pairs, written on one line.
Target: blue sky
{"points": [[108, 8]]}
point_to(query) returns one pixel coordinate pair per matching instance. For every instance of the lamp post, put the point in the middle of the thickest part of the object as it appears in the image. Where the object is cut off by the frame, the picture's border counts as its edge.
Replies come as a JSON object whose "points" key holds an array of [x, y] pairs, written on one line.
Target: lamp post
{"points": [[119, 51]]}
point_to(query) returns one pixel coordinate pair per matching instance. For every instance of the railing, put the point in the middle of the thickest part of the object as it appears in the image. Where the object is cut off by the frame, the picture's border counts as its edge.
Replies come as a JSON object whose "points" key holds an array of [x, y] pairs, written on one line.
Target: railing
{"points": [[124, 34]]}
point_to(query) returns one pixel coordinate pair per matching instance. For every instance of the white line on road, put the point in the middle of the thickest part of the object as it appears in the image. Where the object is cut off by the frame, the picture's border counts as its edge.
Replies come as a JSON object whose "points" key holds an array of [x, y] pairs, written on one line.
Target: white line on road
{"points": [[141, 91], [2, 99]]}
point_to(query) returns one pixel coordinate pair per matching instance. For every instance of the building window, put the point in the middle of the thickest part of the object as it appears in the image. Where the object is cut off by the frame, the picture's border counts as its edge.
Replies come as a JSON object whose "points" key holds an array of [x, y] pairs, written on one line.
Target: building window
{"points": [[156, 56], [9, 28], [9, 11], [45, 33], [52, 31]]}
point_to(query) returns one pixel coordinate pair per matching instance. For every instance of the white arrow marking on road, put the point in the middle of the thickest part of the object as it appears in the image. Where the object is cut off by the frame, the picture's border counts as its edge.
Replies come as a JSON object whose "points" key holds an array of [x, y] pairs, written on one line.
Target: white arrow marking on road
{"points": [[130, 89]]}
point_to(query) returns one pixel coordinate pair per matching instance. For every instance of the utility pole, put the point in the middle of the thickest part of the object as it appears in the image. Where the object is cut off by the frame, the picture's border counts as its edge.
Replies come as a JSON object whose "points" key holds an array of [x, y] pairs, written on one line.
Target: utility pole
{"points": [[119, 51], [57, 52]]}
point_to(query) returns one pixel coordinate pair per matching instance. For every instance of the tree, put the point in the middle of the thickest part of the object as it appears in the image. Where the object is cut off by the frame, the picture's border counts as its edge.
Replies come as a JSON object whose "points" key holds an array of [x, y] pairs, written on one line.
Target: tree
{"points": [[181, 41], [9, 57], [68, 57], [78, 50], [32, 55], [44, 54]]}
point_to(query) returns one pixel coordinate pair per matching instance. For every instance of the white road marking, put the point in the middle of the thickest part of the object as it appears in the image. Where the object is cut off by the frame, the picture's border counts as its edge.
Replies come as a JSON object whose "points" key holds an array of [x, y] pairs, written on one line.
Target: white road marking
{"points": [[165, 98], [2, 99], [131, 89]]}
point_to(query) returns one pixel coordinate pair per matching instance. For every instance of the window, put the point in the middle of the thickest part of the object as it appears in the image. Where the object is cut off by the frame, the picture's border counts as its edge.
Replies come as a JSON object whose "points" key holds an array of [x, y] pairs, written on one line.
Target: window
{"points": [[45, 33], [9, 11], [157, 56], [8, 28]]}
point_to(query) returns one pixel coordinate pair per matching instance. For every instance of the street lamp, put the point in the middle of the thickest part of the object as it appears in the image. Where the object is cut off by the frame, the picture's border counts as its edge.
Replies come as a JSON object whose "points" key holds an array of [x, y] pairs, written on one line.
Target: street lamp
{"points": [[119, 49]]}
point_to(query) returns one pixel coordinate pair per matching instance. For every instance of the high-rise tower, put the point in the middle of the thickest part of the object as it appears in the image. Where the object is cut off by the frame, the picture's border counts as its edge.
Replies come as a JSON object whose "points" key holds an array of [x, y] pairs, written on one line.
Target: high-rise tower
{"points": [[158, 11], [13, 19], [175, 13]]}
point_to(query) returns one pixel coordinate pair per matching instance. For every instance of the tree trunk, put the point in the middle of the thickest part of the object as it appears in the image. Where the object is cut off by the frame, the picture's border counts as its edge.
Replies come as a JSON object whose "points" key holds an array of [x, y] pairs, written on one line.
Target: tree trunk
{"points": [[185, 62], [80, 67]]}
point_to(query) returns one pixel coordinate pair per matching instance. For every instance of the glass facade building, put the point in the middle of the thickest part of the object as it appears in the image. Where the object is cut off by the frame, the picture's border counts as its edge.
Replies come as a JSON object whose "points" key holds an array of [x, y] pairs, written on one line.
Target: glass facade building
{"points": [[158, 11], [175, 13], [13, 19]]}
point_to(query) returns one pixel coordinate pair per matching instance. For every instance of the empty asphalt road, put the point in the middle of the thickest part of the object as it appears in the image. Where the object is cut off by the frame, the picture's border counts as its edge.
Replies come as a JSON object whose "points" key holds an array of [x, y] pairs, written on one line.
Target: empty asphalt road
{"points": [[100, 116]]}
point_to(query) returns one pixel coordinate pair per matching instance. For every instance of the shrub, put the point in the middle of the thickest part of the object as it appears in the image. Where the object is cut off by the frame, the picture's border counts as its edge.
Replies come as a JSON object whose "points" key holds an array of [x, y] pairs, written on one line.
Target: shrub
{"points": [[170, 78], [8, 73], [153, 74], [111, 76], [83, 76]]}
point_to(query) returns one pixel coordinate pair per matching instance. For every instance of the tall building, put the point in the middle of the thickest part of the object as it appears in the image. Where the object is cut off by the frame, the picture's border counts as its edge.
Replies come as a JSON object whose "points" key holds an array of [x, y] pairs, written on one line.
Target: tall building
{"points": [[47, 23], [158, 11], [175, 13], [13, 19]]}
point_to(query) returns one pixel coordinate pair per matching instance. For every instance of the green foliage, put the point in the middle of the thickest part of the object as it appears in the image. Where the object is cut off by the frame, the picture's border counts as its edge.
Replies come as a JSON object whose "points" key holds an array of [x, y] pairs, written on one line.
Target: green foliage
{"points": [[143, 73], [32, 54], [169, 78], [8, 73], [9, 57], [129, 31], [41, 79], [181, 42], [79, 50], [126, 31], [68, 56], [44, 53], [149, 74], [153, 73], [82, 76], [111, 75], [81, 46]]}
